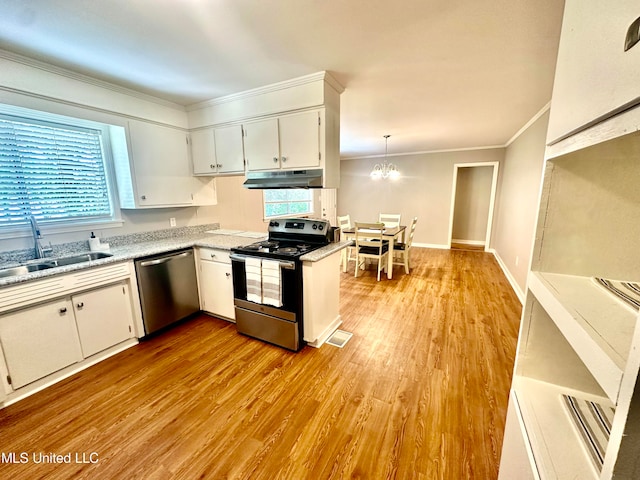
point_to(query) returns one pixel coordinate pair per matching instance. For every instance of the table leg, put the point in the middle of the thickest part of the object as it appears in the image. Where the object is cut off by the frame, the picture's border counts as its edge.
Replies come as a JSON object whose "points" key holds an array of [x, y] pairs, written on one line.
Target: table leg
{"points": [[390, 258]]}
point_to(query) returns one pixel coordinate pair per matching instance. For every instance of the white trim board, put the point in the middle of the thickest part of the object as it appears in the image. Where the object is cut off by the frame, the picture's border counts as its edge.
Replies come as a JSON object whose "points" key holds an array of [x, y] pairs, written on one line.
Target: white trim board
{"points": [[512, 281], [492, 200]]}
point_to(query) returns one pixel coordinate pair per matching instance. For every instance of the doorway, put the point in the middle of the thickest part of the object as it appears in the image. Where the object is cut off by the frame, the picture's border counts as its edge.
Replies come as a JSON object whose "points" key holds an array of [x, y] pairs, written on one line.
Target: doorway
{"points": [[472, 203]]}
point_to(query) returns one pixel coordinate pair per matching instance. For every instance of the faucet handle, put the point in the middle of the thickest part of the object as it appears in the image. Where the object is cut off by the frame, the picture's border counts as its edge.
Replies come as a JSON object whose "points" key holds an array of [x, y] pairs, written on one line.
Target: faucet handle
{"points": [[46, 251]]}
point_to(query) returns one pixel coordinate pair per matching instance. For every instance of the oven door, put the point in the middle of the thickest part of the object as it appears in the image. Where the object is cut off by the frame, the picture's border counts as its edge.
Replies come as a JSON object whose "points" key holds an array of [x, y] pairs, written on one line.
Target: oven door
{"points": [[281, 326]]}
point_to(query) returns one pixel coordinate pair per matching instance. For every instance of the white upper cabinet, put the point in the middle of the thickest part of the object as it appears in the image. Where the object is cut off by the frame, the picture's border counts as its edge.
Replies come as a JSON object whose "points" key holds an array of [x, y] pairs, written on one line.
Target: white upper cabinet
{"points": [[217, 151], [229, 151], [287, 142], [203, 152], [595, 77], [158, 171]]}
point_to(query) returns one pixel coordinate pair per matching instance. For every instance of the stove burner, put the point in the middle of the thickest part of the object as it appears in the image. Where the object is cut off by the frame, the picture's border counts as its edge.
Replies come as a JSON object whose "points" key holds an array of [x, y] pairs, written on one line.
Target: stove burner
{"points": [[268, 244], [253, 246], [288, 250], [303, 247]]}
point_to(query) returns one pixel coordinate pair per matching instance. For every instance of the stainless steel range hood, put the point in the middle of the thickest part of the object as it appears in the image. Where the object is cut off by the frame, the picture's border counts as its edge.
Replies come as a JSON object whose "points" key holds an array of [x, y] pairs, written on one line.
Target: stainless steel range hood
{"points": [[284, 179]]}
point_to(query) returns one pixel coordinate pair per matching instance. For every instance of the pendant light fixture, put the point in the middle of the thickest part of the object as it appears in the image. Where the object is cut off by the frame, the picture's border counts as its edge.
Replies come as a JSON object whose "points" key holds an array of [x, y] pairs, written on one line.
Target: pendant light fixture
{"points": [[385, 169]]}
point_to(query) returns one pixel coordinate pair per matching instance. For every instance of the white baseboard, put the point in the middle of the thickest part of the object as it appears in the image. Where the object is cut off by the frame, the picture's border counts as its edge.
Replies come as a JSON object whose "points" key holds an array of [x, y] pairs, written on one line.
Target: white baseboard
{"points": [[430, 245], [468, 242], [332, 327], [512, 281]]}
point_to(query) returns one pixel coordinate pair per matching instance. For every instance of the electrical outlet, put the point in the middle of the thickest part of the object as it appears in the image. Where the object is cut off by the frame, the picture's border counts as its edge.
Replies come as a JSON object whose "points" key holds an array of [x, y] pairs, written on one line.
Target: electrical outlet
{"points": [[172, 221]]}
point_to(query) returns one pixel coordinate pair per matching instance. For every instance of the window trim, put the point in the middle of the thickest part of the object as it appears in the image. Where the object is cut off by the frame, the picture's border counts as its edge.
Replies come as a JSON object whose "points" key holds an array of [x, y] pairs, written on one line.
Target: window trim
{"points": [[67, 225]]}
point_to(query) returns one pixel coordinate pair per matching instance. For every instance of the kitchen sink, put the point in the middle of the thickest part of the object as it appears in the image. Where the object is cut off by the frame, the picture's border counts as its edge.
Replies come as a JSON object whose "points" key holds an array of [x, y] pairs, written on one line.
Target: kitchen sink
{"points": [[85, 257], [24, 269], [54, 262]]}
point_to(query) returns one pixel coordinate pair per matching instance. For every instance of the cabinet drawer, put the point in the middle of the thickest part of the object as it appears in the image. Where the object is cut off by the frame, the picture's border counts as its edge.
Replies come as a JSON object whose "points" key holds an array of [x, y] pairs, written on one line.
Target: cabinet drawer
{"points": [[214, 255]]}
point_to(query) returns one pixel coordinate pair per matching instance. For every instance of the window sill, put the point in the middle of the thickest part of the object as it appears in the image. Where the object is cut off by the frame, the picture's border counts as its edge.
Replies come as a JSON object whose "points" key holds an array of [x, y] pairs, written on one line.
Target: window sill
{"points": [[299, 215], [53, 229]]}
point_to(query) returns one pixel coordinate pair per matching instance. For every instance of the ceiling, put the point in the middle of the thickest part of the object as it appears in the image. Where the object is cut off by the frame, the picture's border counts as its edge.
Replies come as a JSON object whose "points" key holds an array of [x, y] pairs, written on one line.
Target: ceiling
{"points": [[433, 74]]}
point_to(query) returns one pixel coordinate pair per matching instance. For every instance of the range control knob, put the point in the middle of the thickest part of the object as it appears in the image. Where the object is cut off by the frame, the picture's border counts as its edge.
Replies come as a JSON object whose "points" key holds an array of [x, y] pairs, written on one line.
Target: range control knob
{"points": [[320, 227], [315, 226]]}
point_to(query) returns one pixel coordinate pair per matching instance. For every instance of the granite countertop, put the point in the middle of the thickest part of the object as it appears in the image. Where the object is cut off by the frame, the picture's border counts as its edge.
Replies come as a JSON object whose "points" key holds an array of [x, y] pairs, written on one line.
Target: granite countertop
{"points": [[137, 250]]}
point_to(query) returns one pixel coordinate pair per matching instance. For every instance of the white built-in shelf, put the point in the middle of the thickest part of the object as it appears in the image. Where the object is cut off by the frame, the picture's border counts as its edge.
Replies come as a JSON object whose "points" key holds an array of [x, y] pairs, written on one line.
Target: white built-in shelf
{"points": [[595, 323], [557, 447]]}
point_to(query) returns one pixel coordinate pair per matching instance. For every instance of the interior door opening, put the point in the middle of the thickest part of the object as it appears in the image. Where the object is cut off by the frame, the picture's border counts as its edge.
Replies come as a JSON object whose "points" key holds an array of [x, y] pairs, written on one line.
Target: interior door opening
{"points": [[472, 203]]}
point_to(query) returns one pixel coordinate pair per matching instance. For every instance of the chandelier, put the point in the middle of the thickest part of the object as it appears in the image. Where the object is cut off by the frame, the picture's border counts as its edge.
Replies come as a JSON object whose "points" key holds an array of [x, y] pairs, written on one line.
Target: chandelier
{"points": [[385, 169]]}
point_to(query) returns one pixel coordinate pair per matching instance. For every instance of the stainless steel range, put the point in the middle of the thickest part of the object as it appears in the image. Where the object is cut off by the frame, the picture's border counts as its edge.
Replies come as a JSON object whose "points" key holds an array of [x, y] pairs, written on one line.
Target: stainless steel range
{"points": [[267, 281]]}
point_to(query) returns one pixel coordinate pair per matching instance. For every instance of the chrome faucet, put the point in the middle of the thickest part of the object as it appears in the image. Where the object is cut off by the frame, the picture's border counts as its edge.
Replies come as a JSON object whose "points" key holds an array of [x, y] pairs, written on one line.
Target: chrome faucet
{"points": [[41, 251]]}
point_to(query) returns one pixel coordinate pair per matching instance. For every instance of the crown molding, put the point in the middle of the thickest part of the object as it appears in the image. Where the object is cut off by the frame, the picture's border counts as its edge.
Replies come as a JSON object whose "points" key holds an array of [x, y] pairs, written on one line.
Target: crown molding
{"points": [[528, 124], [274, 87], [63, 72], [423, 152]]}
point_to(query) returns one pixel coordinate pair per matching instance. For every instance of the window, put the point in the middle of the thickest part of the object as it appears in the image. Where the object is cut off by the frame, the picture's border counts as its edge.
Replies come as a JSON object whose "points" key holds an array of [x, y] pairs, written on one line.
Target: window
{"points": [[287, 202], [53, 171]]}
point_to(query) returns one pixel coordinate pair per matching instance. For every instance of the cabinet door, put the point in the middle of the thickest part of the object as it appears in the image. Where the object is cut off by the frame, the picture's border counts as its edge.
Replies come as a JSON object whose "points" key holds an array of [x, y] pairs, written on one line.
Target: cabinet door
{"points": [[203, 154], [299, 140], [594, 75], [229, 152], [38, 341], [104, 318], [161, 165], [216, 289], [261, 145]]}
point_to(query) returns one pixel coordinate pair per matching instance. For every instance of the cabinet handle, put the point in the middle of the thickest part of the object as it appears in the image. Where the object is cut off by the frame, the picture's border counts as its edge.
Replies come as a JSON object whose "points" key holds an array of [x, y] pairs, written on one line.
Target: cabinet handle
{"points": [[213, 255], [275, 159], [143, 197], [219, 165], [284, 159], [63, 310], [80, 304], [212, 166], [227, 274]]}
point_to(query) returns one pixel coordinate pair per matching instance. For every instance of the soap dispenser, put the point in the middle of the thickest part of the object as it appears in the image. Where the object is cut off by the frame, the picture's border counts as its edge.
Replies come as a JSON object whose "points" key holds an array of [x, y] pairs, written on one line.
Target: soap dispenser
{"points": [[94, 243]]}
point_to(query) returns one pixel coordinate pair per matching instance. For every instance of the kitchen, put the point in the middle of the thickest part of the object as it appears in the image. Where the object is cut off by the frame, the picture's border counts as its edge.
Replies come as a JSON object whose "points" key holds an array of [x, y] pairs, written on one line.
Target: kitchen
{"points": [[424, 188]]}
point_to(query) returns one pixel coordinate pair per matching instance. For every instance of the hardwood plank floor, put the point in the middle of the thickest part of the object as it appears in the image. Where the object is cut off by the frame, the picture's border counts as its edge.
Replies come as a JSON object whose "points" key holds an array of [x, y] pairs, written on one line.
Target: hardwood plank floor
{"points": [[419, 392]]}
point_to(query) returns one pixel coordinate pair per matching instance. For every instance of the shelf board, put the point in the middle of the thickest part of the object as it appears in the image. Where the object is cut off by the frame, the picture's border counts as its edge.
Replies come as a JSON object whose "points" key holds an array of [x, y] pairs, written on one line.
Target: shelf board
{"points": [[557, 447], [597, 325]]}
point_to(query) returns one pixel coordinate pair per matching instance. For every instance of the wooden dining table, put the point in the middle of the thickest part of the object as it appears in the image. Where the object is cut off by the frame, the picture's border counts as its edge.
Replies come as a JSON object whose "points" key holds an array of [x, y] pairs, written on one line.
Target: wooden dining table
{"points": [[390, 234]]}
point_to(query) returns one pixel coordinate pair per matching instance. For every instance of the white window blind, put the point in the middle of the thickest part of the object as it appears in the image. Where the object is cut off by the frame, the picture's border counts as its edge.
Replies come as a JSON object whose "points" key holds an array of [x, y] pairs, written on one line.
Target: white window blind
{"points": [[51, 171]]}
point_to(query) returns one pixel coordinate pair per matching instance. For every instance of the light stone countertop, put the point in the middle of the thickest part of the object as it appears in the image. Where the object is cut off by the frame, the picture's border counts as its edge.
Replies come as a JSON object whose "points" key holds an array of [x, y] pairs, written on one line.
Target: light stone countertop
{"points": [[143, 249]]}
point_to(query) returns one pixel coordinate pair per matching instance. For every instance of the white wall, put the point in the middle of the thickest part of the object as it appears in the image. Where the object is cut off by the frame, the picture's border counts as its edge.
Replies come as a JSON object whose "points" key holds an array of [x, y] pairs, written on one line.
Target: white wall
{"points": [[423, 190], [519, 181]]}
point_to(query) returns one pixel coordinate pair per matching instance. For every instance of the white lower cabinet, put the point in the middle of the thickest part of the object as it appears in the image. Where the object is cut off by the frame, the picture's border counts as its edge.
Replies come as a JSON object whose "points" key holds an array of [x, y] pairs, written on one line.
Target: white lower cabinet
{"points": [[38, 341], [216, 283], [103, 317], [48, 327]]}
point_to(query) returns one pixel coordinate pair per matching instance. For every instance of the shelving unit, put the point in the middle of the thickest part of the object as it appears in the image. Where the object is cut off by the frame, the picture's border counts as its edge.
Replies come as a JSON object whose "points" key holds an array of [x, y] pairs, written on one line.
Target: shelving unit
{"points": [[596, 325], [577, 338]]}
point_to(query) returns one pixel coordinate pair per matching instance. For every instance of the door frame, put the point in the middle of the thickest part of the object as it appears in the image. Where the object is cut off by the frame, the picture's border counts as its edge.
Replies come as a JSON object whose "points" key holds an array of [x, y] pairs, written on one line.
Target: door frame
{"points": [[492, 200]]}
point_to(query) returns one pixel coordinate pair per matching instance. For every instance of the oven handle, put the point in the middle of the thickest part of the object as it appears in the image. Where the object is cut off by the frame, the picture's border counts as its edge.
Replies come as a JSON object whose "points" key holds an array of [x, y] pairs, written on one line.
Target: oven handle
{"points": [[283, 264]]}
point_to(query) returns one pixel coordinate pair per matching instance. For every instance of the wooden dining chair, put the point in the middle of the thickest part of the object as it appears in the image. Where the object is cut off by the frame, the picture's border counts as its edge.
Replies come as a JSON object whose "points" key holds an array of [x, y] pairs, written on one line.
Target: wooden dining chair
{"points": [[390, 220], [401, 251], [344, 222], [371, 245]]}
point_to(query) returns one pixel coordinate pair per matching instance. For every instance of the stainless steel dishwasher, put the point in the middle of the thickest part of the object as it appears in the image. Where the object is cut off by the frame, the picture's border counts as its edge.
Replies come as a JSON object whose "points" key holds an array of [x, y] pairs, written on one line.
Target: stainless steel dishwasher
{"points": [[168, 288]]}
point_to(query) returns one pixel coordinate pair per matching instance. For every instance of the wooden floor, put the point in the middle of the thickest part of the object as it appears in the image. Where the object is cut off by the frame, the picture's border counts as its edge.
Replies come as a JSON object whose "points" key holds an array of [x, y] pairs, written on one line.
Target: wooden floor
{"points": [[419, 392]]}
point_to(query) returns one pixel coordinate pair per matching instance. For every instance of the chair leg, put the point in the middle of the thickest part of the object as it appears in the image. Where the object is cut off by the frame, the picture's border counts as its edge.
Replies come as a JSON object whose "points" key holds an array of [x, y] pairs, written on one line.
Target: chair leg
{"points": [[406, 262]]}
